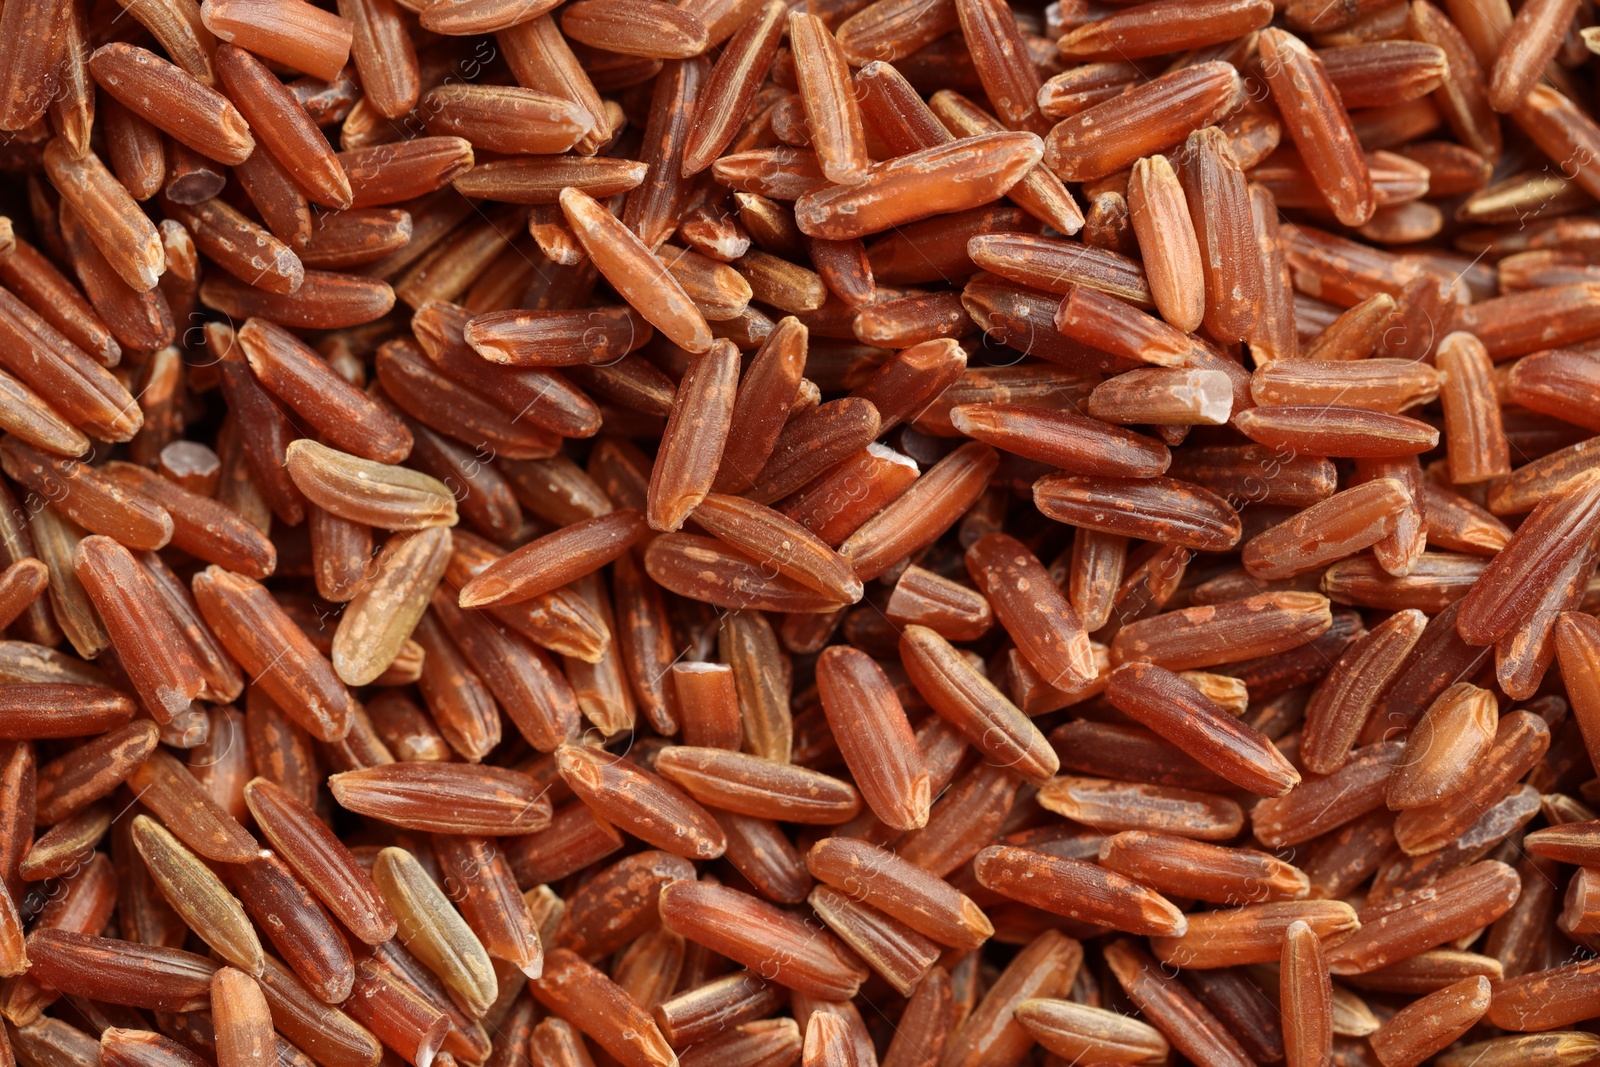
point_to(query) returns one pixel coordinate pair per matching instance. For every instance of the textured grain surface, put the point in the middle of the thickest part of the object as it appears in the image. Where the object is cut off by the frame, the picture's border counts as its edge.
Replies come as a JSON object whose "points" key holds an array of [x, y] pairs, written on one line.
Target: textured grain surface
{"points": [[934, 533]]}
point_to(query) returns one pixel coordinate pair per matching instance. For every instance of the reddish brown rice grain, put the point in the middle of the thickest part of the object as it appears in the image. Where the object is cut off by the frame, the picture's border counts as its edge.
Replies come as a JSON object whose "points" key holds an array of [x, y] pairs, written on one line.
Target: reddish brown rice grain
{"points": [[1040, 193], [400, 1017], [1194, 869], [918, 516], [32, 67], [1219, 206], [771, 537], [626, 27], [117, 226], [644, 641], [1112, 806], [545, 565], [540, 179], [718, 290], [897, 952], [1069, 1029], [658, 205], [1078, 890], [154, 652], [484, 399], [1109, 136], [194, 114], [1009, 77], [324, 300], [900, 889], [1334, 529], [390, 174], [1519, 742], [310, 40], [38, 282], [574, 839], [347, 418], [1056, 266], [828, 1042], [88, 900], [88, 498], [483, 890], [1317, 121], [964, 697], [646, 805], [248, 251], [1555, 383], [1307, 996], [1530, 43], [254, 629], [760, 406], [764, 1040], [522, 678], [282, 130], [383, 54], [1431, 1023], [1460, 525], [1339, 431], [1253, 933], [303, 934], [1165, 508], [91, 771], [830, 104], [1165, 231], [912, 320], [1341, 704], [18, 788], [139, 319], [1412, 922], [136, 150], [706, 569], [837, 503], [812, 444], [781, 173], [1548, 531], [989, 1033], [747, 785], [950, 609], [1455, 731], [244, 1024], [963, 174], [67, 846], [122, 972], [627, 264], [1377, 384], [1478, 447], [1176, 710], [1046, 628], [283, 207], [335, 1037], [25, 414], [696, 1014], [192, 177], [786, 950], [201, 527], [692, 443]]}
